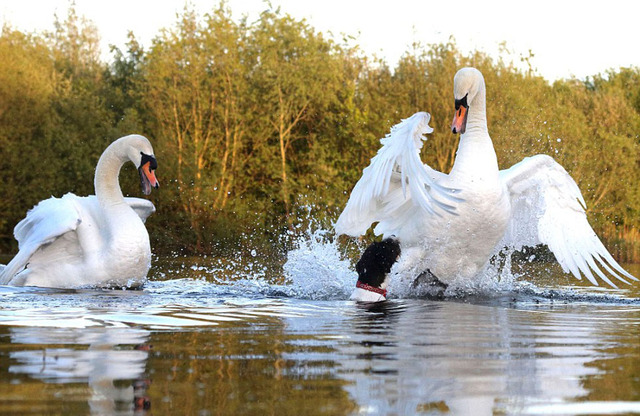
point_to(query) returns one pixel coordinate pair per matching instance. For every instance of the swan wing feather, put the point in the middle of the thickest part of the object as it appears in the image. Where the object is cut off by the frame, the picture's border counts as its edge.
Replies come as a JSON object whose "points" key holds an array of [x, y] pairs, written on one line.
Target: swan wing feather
{"points": [[142, 207], [394, 177], [548, 208], [42, 225]]}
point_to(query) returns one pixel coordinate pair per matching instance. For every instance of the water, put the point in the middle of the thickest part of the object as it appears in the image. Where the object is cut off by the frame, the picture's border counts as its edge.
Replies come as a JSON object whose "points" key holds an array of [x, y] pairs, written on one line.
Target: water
{"points": [[237, 344]]}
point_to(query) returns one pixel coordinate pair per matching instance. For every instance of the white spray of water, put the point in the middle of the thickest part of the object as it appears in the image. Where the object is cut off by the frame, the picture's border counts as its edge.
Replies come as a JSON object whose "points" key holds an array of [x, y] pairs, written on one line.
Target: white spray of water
{"points": [[316, 269]]}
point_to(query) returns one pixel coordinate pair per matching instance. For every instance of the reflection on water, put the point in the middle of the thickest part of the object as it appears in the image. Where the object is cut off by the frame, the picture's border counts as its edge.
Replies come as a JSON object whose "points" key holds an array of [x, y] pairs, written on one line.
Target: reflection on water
{"points": [[471, 359], [186, 346], [95, 356]]}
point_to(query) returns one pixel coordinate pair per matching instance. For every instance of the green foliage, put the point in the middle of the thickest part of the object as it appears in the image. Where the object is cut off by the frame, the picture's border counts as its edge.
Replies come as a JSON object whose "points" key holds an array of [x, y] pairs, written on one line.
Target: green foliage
{"points": [[27, 90], [260, 125]]}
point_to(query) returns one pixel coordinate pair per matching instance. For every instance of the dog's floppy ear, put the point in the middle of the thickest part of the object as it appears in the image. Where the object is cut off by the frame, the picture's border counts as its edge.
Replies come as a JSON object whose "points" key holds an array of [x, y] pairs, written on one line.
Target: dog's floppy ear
{"points": [[377, 260]]}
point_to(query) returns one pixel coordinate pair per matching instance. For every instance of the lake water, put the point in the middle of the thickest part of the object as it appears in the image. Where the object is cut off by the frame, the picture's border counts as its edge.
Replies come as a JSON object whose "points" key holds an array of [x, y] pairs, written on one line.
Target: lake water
{"points": [[195, 343]]}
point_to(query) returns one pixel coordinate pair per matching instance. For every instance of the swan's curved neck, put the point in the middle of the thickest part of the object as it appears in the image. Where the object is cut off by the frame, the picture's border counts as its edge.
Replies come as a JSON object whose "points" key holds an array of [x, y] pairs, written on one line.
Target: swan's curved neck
{"points": [[476, 157], [477, 118], [106, 182]]}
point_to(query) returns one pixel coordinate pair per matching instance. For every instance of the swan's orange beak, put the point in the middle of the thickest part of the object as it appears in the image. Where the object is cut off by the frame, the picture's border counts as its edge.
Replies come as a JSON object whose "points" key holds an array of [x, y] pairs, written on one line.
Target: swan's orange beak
{"points": [[148, 178], [459, 124]]}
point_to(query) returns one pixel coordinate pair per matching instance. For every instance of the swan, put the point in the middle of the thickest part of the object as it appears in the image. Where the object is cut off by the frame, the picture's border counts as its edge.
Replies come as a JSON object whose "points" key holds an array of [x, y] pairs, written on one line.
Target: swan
{"points": [[533, 202], [92, 241]]}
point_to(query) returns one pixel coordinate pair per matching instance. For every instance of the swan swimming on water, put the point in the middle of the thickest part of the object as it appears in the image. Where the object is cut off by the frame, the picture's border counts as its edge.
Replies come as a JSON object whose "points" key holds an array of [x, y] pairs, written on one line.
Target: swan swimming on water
{"points": [[92, 241], [533, 202]]}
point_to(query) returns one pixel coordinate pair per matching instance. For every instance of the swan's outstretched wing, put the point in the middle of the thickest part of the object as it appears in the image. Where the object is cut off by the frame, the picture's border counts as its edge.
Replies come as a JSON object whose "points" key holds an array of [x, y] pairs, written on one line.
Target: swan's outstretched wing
{"points": [[43, 224], [547, 208], [395, 176], [142, 207]]}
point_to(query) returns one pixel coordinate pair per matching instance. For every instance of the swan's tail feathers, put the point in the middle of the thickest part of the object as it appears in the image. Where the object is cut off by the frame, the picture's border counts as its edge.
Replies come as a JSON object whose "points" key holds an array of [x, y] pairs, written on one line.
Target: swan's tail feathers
{"points": [[397, 165], [15, 266]]}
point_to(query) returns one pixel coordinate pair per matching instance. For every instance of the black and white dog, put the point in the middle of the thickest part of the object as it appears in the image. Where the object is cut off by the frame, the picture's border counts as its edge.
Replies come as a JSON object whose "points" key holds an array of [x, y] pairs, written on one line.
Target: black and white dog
{"points": [[373, 270], [373, 274]]}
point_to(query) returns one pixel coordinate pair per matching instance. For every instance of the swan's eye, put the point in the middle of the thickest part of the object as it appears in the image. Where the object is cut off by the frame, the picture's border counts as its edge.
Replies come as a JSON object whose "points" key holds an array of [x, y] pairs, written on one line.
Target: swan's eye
{"points": [[462, 102], [153, 163]]}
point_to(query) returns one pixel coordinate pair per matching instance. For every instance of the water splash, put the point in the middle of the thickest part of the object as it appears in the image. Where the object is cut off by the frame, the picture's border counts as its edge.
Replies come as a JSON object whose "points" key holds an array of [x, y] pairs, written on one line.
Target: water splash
{"points": [[317, 269]]}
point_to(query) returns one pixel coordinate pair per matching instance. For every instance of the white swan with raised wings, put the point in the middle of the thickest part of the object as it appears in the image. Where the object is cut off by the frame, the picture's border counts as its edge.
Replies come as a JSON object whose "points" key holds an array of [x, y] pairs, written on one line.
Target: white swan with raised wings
{"points": [[533, 202]]}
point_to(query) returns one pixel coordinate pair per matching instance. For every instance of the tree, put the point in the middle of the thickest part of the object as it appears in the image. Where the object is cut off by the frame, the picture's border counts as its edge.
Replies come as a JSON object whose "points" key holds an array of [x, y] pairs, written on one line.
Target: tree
{"points": [[294, 73], [259, 125], [28, 86], [195, 90]]}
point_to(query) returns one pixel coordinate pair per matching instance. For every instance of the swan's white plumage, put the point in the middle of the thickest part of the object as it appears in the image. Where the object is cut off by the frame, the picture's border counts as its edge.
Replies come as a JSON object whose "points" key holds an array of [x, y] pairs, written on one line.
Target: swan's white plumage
{"points": [[77, 241], [535, 201], [398, 160], [548, 208], [46, 222], [143, 207]]}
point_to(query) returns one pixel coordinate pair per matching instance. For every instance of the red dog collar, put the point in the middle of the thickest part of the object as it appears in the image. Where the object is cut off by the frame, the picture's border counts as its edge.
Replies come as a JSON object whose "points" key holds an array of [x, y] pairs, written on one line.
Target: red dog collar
{"points": [[370, 288]]}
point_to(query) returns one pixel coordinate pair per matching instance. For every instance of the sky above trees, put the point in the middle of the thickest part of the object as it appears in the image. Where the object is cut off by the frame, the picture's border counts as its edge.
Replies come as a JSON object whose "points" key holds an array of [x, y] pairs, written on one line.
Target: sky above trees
{"points": [[568, 38]]}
